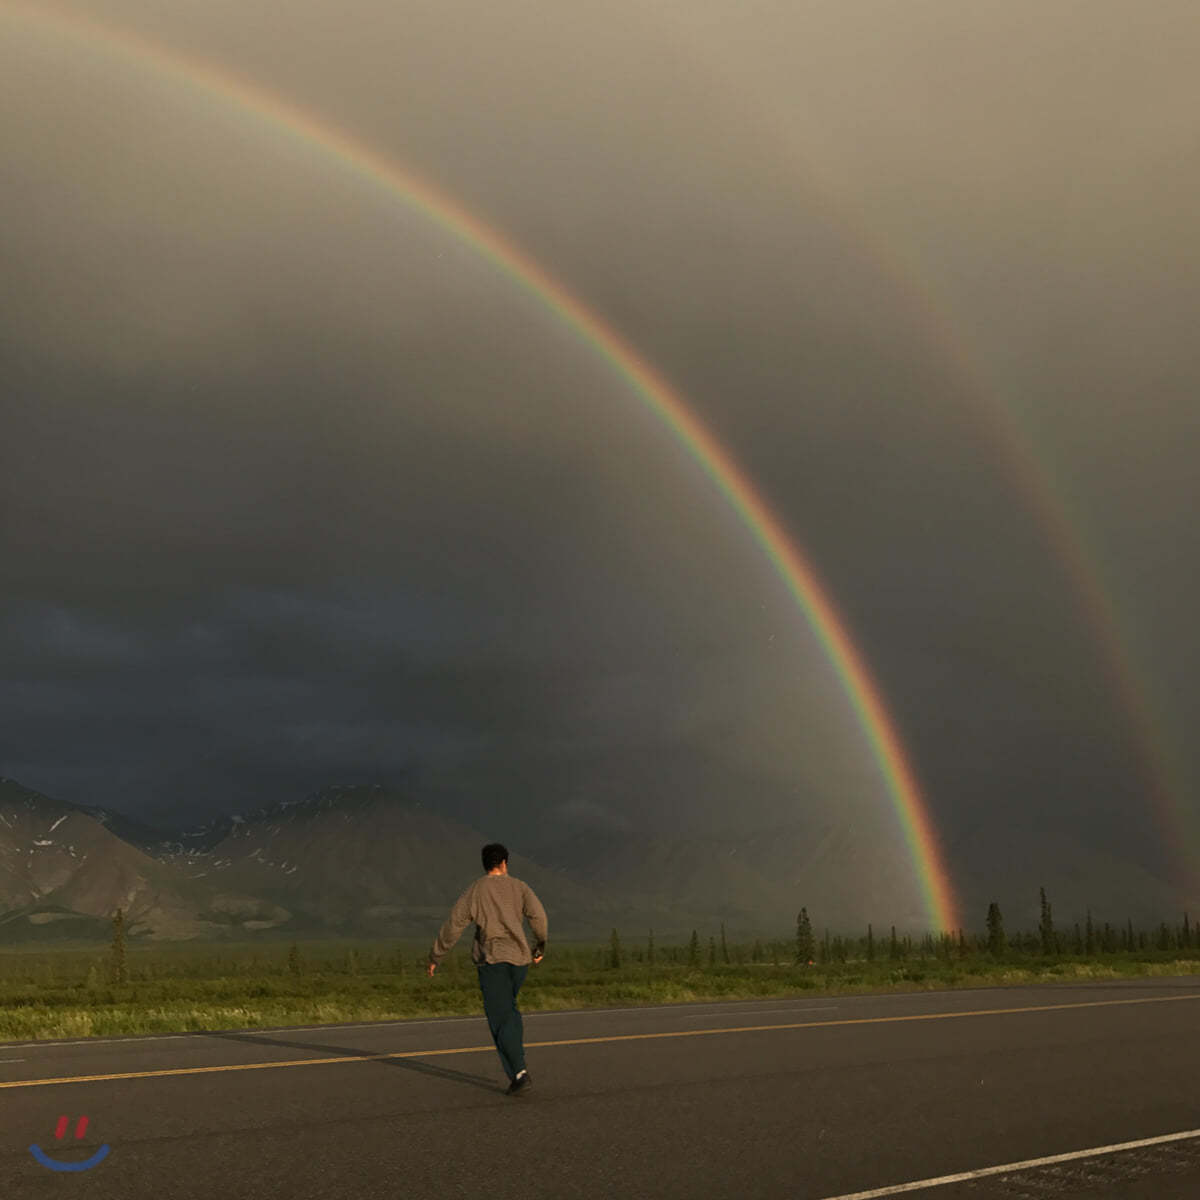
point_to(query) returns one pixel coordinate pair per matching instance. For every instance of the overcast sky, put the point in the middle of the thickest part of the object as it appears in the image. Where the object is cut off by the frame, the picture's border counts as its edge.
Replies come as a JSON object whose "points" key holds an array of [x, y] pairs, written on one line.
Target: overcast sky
{"points": [[296, 489]]}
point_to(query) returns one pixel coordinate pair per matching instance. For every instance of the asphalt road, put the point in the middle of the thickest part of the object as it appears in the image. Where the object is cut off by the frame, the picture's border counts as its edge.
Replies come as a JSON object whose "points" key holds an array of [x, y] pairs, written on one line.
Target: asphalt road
{"points": [[804, 1098]]}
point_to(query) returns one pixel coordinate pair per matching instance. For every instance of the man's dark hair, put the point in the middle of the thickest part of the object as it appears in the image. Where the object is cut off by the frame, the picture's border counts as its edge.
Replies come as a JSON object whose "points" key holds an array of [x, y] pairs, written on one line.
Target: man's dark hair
{"points": [[493, 855]]}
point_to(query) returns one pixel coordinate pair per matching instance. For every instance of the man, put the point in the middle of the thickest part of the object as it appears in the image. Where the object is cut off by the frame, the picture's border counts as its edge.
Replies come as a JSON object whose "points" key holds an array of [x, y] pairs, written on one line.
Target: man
{"points": [[498, 904]]}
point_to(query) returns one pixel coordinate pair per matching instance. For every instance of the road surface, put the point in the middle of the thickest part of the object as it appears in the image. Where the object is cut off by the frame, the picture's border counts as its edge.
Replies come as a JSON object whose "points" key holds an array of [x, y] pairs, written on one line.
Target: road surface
{"points": [[805, 1098]]}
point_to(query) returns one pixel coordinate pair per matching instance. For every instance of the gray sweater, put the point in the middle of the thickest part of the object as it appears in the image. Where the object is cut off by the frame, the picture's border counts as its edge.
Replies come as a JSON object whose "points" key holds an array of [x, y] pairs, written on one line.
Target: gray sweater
{"points": [[498, 904]]}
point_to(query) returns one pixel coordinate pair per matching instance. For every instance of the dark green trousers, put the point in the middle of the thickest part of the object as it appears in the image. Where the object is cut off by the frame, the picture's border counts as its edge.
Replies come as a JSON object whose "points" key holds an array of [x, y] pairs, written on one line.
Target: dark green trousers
{"points": [[500, 983]]}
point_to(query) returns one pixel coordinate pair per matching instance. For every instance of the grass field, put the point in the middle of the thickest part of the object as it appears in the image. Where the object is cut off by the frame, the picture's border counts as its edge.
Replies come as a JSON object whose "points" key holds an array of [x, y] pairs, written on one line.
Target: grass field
{"points": [[67, 992]]}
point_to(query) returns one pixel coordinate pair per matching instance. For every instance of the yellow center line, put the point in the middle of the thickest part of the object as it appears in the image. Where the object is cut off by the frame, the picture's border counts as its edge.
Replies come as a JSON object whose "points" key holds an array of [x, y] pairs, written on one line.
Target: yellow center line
{"points": [[591, 1041]]}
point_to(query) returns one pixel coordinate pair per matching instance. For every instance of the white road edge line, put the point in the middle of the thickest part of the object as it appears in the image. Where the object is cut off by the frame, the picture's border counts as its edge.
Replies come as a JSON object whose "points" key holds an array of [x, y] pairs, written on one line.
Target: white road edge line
{"points": [[1007, 1168]]}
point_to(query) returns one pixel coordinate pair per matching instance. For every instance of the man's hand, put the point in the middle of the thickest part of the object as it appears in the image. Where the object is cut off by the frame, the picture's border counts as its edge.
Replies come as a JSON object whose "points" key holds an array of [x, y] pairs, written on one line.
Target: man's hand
{"points": [[430, 968], [537, 957]]}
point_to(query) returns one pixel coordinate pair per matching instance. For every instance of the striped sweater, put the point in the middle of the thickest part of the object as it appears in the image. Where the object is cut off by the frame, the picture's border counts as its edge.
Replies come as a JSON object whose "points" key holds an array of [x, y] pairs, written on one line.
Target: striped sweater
{"points": [[498, 904]]}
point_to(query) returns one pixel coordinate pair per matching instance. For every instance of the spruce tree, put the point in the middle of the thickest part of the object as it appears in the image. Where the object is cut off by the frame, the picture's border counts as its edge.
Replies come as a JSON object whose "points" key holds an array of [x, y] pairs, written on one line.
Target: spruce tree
{"points": [[893, 946], [119, 967], [694, 950], [293, 959], [997, 943], [805, 950], [712, 951], [1090, 931], [650, 948], [1187, 933], [870, 944], [1046, 926], [614, 951], [724, 945], [757, 953]]}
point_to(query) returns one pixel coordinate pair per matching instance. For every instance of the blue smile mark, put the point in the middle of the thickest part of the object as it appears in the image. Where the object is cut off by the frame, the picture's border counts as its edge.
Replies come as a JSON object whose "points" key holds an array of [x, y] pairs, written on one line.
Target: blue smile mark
{"points": [[86, 1165]]}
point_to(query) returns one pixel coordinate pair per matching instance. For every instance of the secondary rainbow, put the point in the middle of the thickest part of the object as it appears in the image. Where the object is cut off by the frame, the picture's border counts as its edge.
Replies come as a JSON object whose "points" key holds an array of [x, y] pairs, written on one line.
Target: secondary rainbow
{"points": [[1035, 477], [646, 382]]}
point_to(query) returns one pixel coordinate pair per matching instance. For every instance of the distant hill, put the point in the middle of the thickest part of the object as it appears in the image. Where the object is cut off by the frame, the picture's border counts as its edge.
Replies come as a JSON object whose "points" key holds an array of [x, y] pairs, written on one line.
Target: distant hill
{"points": [[753, 881], [371, 861], [1012, 866], [61, 866], [136, 833], [363, 860]]}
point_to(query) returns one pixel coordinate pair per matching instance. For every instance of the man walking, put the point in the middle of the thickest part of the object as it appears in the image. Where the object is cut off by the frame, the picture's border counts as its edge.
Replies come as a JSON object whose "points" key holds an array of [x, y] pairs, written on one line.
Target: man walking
{"points": [[498, 904]]}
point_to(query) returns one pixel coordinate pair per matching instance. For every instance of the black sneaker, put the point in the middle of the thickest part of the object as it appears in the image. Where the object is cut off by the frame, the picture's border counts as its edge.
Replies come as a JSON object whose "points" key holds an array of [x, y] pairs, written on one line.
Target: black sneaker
{"points": [[520, 1084]]}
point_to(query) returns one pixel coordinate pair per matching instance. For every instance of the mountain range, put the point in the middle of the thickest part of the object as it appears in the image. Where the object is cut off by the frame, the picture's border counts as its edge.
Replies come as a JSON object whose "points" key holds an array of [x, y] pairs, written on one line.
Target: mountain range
{"points": [[369, 861]]}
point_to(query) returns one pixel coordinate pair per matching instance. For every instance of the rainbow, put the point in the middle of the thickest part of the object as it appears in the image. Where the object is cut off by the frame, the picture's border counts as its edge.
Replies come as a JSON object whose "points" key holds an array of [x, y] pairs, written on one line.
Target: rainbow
{"points": [[1030, 471], [1033, 478], [654, 391]]}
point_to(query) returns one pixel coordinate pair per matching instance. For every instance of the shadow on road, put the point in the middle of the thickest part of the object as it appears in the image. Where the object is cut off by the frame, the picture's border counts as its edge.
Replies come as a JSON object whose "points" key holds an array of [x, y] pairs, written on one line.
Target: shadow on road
{"points": [[405, 1064]]}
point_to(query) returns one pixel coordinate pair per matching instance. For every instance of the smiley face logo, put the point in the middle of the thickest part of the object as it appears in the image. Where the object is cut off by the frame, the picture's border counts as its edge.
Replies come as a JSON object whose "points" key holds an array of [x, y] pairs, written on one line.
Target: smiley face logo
{"points": [[60, 1132]]}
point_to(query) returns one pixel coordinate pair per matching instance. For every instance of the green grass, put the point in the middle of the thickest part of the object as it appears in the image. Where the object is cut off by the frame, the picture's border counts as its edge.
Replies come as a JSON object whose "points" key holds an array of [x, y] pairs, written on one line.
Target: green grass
{"points": [[66, 993]]}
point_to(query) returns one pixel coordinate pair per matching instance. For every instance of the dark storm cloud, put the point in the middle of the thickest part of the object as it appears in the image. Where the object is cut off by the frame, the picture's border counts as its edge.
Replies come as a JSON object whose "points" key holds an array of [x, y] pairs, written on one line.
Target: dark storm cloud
{"points": [[297, 489], [268, 691]]}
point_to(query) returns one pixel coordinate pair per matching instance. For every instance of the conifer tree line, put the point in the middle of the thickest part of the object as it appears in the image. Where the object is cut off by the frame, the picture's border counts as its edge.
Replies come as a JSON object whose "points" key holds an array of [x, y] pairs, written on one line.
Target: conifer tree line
{"points": [[716, 949], [1089, 938], [994, 939]]}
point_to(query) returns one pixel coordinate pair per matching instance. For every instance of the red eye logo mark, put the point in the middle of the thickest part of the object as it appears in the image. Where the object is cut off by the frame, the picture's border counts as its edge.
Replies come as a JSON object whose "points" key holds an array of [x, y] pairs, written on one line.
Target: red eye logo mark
{"points": [[80, 1129], [60, 1132]]}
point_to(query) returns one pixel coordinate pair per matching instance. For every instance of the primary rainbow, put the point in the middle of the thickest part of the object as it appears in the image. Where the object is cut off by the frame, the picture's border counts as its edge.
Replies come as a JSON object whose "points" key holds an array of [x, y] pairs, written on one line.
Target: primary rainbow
{"points": [[647, 383]]}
